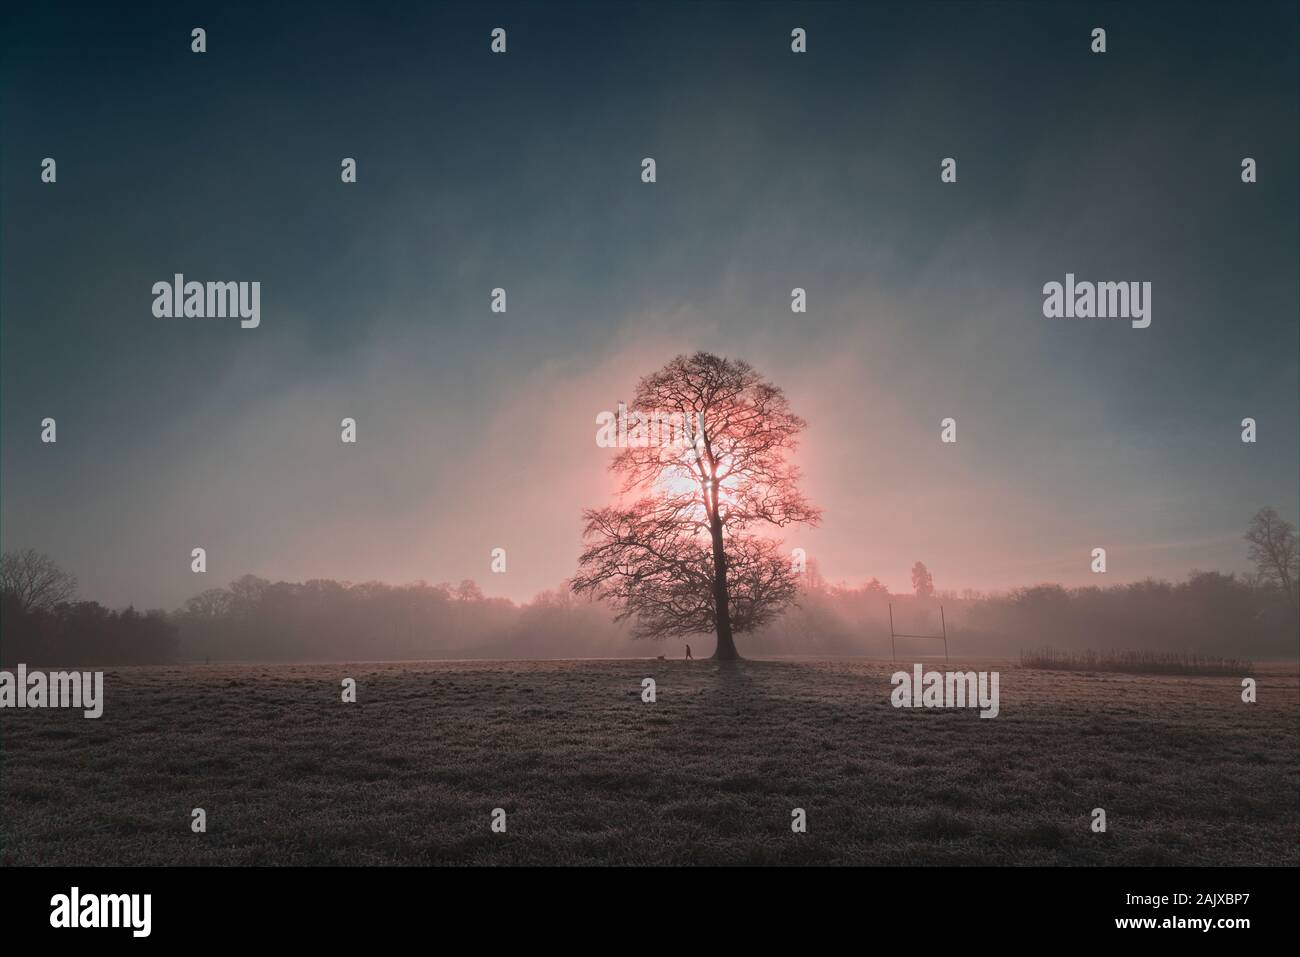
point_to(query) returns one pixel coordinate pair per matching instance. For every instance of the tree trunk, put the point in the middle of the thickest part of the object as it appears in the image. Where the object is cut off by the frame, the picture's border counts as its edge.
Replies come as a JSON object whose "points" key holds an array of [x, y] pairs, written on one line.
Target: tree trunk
{"points": [[722, 600]]}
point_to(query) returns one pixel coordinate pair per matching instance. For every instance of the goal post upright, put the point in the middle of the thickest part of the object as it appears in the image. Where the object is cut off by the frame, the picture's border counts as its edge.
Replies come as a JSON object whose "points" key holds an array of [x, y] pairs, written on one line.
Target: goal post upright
{"points": [[895, 635]]}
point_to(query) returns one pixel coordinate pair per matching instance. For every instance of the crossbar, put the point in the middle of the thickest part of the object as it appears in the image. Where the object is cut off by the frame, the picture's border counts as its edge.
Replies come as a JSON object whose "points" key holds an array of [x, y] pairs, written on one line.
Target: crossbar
{"points": [[893, 648]]}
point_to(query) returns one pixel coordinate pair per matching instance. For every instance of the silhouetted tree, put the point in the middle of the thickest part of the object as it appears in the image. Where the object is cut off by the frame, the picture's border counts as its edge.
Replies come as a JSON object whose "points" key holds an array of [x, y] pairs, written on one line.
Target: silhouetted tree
{"points": [[680, 559], [1273, 549], [33, 581], [469, 590], [922, 581], [83, 633]]}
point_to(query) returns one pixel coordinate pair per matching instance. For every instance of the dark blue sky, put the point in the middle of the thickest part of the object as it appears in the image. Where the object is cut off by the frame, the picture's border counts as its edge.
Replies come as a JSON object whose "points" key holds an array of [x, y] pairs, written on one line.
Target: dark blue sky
{"points": [[775, 170]]}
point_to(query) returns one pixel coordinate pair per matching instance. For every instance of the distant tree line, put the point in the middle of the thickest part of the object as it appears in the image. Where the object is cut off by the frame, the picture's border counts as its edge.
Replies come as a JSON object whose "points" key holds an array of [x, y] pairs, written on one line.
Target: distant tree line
{"points": [[42, 624], [254, 619], [322, 619], [1208, 613]]}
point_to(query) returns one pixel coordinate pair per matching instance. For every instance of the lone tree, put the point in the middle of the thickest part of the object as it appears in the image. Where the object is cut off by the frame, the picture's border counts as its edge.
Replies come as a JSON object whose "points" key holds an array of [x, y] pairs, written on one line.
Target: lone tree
{"points": [[1273, 549], [33, 582], [922, 580], [703, 462]]}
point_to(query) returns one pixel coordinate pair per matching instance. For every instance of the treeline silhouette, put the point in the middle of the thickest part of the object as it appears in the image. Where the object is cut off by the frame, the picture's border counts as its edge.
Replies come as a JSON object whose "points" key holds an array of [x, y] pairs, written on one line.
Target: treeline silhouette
{"points": [[1209, 613], [322, 619], [254, 619], [83, 633]]}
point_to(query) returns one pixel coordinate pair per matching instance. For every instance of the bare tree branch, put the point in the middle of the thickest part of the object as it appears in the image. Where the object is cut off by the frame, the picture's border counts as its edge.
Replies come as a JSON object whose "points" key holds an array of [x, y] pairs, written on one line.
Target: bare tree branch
{"points": [[34, 581], [1273, 549]]}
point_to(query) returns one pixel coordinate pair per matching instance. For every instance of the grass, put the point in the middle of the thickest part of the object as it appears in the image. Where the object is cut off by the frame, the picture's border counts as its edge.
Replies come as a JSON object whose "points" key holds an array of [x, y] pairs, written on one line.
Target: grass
{"points": [[1135, 662], [708, 774]]}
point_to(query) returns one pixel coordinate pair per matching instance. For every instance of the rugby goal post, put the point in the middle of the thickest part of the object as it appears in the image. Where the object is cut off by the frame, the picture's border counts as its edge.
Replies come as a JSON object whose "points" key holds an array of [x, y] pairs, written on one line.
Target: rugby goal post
{"points": [[893, 651]]}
